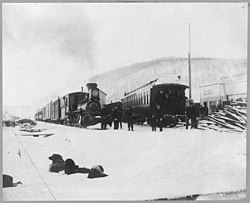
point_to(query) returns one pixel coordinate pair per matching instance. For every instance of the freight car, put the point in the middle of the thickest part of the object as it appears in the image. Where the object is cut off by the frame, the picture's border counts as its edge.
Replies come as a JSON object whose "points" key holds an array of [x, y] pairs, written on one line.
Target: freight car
{"points": [[55, 113], [165, 98], [38, 115]]}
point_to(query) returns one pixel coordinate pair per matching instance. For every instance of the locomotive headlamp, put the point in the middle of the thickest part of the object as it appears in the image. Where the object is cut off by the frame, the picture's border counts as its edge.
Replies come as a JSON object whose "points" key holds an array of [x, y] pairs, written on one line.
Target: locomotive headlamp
{"points": [[95, 93]]}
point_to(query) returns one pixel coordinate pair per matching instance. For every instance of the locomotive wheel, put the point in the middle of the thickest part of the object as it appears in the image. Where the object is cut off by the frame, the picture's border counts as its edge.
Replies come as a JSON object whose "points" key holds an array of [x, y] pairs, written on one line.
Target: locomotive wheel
{"points": [[85, 120], [88, 120]]}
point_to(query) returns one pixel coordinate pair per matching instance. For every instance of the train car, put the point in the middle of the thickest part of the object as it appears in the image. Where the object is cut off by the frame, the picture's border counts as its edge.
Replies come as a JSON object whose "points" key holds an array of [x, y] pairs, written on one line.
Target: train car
{"points": [[110, 107], [47, 112], [43, 114], [55, 111], [169, 97], [38, 115]]}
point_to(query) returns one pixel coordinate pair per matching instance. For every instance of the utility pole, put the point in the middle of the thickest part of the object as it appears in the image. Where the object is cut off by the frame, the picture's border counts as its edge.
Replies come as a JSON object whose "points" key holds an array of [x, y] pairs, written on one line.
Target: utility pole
{"points": [[189, 64]]}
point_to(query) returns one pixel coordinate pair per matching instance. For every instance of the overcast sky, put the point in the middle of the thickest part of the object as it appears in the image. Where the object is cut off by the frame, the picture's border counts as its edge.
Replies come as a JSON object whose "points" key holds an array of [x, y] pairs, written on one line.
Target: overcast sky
{"points": [[51, 49]]}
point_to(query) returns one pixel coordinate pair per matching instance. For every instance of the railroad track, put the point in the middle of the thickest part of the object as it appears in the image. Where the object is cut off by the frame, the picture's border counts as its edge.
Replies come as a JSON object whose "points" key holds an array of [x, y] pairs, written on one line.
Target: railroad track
{"points": [[34, 165]]}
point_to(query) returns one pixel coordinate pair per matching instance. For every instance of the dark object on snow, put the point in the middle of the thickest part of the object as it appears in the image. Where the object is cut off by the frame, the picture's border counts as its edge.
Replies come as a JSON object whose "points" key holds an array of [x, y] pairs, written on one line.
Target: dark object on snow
{"points": [[191, 113], [115, 115], [97, 172], [25, 120], [57, 163], [129, 118], [189, 197], [71, 168], [8, 181], [153, 122]]}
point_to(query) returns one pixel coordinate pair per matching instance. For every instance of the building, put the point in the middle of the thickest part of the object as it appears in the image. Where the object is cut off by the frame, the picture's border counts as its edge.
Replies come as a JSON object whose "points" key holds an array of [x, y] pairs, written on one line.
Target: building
{"points": [[218, 94]]}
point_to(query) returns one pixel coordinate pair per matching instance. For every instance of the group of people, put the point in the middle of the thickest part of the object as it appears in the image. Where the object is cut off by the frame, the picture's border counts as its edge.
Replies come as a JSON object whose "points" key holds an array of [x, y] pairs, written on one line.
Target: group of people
{"points": [[158, 113], [170, 101], [191, 111], [116, 117]]}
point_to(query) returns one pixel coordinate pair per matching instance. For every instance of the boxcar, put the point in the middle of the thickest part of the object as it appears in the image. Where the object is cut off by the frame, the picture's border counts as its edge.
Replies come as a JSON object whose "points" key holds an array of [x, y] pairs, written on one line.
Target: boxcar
{"points": [[55, 111]]}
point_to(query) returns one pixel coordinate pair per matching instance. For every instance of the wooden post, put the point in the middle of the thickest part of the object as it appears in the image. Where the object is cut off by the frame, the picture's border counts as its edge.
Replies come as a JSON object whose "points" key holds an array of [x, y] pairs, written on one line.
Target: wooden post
{"points": [[189, 64]]}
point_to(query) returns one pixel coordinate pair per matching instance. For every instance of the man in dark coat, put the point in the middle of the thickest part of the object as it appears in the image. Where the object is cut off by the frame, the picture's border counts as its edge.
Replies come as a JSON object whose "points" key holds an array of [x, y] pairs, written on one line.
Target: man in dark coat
{"points": [[115, 115], [120, 117], [129, 118], [153, 122], [191, 113], [205, 110], [159, 117], [103, 118]]}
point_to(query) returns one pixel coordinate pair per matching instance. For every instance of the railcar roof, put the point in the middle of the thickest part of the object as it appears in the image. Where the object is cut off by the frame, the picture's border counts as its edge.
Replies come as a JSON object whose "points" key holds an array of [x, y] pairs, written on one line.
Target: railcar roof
{"points": [[74, 93], [170, 84], [77, 92]]}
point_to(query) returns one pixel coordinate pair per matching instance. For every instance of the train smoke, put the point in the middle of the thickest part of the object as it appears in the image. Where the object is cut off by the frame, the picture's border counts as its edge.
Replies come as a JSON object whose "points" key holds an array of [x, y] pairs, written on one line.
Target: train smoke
{"points": [[66, 27], [47, 49]]}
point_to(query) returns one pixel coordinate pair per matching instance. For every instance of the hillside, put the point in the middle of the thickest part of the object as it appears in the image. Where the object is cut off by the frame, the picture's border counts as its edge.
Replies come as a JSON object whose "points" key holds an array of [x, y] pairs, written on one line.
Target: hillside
{"points": [[204, 71]]}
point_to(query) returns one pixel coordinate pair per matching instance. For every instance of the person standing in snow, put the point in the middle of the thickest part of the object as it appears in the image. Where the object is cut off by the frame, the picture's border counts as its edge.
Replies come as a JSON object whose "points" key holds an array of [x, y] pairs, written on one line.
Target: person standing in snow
{"points": [[103, 118], [129, 118], [120, 117], [159, 117], [153, 122], [115, 115], [191, 114]]}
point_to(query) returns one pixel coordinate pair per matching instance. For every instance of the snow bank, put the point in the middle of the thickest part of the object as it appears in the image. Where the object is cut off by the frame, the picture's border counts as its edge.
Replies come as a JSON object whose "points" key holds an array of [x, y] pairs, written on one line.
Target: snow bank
{"points": [[141, 165]]}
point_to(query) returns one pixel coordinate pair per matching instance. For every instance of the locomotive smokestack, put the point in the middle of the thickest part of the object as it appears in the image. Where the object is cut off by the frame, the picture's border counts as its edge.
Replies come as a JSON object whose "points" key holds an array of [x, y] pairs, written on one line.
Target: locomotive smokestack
{"points": [[91, 86]]}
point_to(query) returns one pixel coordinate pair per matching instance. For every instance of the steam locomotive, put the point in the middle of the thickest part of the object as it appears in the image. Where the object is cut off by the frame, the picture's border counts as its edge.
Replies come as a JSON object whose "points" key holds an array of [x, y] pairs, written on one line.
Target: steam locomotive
{"points": [[75, 109], [168, 97]]}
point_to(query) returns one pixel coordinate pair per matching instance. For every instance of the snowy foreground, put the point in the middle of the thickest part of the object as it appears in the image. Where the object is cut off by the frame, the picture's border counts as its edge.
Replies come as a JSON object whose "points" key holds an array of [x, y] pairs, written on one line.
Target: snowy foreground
{"points": [[142, 165]]}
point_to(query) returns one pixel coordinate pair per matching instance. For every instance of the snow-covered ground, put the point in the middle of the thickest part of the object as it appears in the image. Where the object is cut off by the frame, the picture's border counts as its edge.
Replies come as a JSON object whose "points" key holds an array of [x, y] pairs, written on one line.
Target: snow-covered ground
{"points": [[142, 165]]}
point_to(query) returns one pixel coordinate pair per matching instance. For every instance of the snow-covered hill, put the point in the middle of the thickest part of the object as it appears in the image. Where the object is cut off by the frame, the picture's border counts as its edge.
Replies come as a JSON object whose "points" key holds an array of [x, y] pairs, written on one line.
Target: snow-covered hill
{"points": [[204, 71], [142, 165]]}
